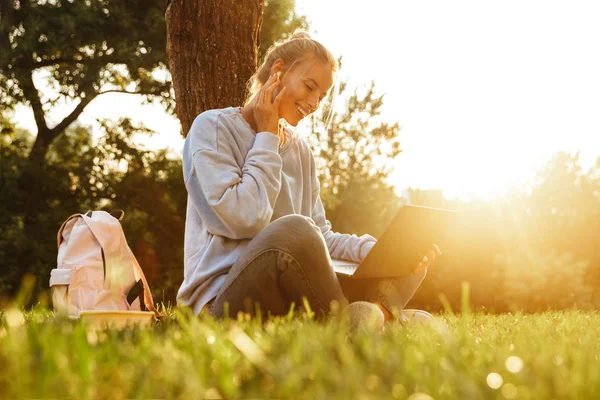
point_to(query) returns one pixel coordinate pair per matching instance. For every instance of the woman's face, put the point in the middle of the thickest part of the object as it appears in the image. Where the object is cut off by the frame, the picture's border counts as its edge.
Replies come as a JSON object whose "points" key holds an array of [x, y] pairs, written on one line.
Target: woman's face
{"points": [[306, 86]]}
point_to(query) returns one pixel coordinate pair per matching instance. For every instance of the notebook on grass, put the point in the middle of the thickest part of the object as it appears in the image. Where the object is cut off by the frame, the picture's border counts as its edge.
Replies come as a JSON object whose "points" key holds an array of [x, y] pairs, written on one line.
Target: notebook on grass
{"points": [[409, 237]]}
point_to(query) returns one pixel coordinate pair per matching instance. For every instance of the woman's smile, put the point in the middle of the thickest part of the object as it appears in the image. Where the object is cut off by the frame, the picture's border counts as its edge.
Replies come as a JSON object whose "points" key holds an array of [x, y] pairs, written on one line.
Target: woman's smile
{"points": [[301, 111], [306, 84]]}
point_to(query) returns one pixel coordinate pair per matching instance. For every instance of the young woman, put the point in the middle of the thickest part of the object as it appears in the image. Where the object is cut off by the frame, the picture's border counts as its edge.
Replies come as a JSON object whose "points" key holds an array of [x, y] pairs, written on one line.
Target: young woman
{"points": [[256, 233]]}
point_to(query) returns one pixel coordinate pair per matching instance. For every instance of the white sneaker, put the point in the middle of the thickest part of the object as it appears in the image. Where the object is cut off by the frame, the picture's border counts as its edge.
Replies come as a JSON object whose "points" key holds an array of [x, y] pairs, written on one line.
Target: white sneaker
{"points": [[365, 314], [415, 317]]}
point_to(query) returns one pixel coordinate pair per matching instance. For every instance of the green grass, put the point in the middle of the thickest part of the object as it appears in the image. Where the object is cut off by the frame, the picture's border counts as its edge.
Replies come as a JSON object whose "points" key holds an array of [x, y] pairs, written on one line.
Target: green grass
{"points": [[554, 355]]}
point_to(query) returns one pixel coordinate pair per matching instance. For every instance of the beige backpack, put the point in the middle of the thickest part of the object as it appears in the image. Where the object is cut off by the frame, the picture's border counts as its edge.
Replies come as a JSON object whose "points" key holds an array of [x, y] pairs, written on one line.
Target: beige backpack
{"points": [[96, 270]]}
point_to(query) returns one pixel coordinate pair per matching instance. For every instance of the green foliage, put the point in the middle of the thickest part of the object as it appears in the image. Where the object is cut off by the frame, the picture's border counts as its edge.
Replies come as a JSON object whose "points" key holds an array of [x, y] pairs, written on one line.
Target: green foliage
{"points": [[565, 203], [81, 175], [61, 188], [42, 356], [545, 281], [88, 47], [353, 155], [279, 22]]}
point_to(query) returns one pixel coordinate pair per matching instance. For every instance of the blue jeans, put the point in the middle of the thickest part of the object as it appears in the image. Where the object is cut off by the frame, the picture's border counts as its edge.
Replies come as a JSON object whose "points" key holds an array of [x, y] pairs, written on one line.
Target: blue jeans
{"points": [[289, 260]]}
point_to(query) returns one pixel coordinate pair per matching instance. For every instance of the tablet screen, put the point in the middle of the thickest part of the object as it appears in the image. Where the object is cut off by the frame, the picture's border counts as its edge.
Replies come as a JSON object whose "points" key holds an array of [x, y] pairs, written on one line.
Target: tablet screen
{"points": [[409, 237]]}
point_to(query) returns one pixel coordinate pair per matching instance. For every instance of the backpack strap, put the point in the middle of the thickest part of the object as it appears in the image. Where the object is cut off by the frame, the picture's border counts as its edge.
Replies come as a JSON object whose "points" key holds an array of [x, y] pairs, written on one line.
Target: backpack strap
{"points": [[148, 300], [111, 249], [137, 292], [59, 237]]}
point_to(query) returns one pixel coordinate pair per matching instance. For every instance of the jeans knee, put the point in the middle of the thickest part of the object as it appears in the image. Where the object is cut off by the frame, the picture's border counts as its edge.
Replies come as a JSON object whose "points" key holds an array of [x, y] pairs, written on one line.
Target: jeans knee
{"points": [[297, 225], [298, 235]]}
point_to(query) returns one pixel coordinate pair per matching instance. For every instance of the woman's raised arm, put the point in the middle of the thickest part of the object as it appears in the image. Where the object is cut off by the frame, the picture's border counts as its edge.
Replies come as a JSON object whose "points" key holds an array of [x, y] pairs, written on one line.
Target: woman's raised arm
{"points": [[233, 201]]}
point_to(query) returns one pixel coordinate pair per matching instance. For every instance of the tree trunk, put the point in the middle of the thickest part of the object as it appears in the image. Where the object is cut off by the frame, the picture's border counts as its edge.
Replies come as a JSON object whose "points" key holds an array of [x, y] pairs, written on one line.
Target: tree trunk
{"points": [[212, 50]]}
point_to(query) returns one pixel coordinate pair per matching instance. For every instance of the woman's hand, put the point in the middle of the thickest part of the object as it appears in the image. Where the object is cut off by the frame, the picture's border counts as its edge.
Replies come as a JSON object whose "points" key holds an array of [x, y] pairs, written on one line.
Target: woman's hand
{"points": [[428, 259], [266, 110]]}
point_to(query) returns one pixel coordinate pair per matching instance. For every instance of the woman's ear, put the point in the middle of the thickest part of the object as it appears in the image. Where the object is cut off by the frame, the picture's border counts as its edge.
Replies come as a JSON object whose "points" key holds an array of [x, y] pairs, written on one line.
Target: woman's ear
{"points": [[277, 66]]}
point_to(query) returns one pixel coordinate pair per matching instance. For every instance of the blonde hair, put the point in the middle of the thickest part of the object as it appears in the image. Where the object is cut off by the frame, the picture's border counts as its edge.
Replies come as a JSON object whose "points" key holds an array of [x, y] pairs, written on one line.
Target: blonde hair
{"points": [[298, 48]]}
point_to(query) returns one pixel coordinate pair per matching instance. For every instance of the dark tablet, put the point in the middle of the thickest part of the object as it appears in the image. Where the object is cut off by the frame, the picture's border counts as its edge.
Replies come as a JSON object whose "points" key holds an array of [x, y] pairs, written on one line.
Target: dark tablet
{"points": [[409, 237]]}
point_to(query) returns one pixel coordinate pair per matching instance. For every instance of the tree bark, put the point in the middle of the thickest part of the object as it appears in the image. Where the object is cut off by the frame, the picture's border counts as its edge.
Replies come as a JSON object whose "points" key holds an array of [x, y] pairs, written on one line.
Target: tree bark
{"points": [[212, 50]]}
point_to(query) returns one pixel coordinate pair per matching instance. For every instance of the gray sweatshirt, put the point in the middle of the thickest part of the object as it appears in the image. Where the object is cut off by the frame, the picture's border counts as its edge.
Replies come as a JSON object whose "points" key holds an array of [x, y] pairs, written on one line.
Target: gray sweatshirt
{"points": [[237, 183]]}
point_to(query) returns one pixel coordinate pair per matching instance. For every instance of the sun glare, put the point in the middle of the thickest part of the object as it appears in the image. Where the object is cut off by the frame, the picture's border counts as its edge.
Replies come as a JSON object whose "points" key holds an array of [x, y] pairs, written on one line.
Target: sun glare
{"points": [[481, 107]]}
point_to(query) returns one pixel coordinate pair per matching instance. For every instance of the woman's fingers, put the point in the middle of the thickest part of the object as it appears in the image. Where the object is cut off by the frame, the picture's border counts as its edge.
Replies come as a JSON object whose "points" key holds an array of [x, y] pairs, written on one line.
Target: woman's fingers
{"points": [[271, 87], [261, 92], [428, 259], [266, 111], [422, 265], [278, 99], [431, 255], [265, 94]]}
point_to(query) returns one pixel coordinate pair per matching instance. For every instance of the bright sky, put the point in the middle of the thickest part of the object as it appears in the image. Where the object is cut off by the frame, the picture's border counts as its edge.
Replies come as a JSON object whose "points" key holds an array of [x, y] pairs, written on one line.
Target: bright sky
{"points": [[485, 92]]}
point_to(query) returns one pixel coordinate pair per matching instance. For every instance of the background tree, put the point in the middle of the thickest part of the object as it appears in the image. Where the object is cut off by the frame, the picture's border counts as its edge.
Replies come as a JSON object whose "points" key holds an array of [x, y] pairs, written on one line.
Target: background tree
{"points": [[79, 50], [82, 49], [280, 20], [354, 157], [212, 48]]}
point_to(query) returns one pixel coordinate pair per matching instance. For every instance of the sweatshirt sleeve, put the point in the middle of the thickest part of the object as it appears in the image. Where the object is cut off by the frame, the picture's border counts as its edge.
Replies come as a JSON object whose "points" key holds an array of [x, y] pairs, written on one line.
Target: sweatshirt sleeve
{"points": [[234, 201], [341, 246]]}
